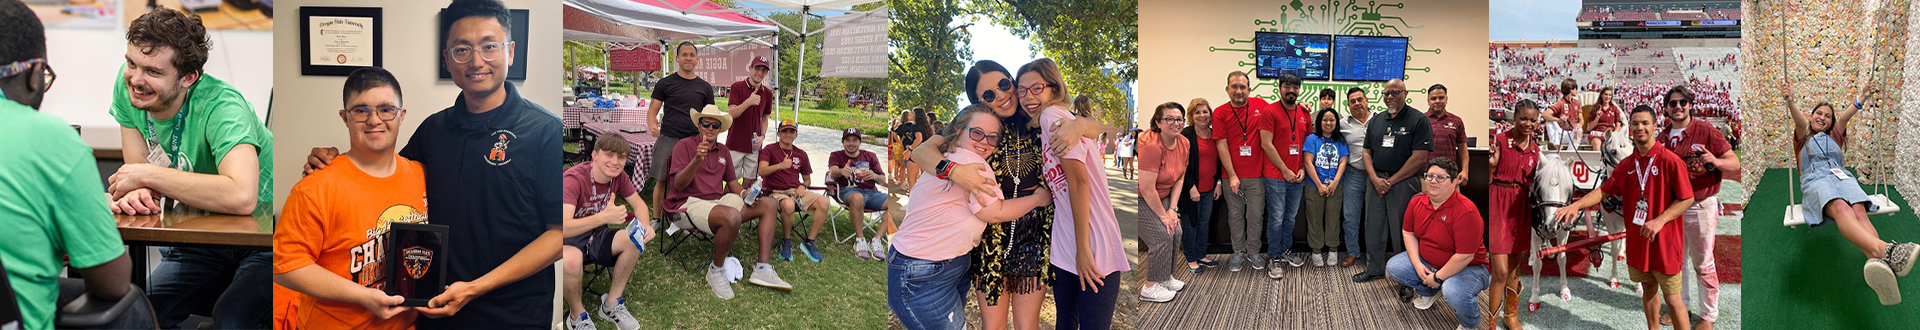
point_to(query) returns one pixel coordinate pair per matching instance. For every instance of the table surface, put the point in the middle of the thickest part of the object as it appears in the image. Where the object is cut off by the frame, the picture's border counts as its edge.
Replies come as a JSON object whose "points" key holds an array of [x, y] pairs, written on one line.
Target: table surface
{"points": [[186, 226]]}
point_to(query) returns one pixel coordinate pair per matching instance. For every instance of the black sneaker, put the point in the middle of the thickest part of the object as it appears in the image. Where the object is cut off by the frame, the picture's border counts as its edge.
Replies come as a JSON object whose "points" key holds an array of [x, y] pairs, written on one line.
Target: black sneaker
{"points": [[1363, 277]]}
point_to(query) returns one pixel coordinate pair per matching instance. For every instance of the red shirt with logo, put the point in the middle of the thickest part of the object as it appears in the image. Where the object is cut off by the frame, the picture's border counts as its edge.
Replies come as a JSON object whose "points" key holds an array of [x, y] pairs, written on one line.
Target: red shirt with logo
{"points": [[1240, 128], [1448, 133], [1289, 127], [1690, 143], [1657, 177], [1454, 228], [788, 178]]}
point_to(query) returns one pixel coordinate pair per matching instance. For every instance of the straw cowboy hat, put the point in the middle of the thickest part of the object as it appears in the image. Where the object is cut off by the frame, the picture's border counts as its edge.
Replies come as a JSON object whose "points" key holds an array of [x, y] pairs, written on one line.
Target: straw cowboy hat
{"points": [[714, 112]]}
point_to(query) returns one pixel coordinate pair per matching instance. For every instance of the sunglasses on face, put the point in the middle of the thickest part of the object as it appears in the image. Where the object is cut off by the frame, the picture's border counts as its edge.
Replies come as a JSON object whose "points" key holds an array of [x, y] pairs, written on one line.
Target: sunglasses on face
{"points": [[982, 137], [1675, 103], [710, 124], [1003, 86]]}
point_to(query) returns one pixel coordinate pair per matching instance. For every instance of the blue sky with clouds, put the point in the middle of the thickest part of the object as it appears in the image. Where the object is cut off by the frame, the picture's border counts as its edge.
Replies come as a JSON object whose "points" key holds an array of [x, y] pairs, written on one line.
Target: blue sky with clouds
{"points": [[1511, 20]]}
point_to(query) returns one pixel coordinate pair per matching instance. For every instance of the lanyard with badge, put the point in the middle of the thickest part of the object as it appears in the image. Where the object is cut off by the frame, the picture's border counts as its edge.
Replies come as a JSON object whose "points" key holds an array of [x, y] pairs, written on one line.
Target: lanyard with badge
{"points": [[167, 156], [1833, 166], [1246, 148], [1640, 207]]}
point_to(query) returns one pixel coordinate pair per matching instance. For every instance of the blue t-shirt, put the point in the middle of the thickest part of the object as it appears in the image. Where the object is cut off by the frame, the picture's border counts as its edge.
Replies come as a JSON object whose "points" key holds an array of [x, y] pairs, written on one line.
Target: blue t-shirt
{"points": [[1326, 156]]}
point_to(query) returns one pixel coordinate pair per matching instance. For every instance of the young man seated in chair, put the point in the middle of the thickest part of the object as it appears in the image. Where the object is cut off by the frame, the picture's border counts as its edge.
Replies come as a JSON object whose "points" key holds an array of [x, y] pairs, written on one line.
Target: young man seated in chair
{"points": [[785, 169], [587, 195], [853, 171], [704, 184]]}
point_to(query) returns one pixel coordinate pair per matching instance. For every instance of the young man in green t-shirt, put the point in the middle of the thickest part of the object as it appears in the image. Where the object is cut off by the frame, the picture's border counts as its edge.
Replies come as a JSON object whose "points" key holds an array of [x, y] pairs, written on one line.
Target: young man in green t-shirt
{"points": [[191, 139], [50, 197]]}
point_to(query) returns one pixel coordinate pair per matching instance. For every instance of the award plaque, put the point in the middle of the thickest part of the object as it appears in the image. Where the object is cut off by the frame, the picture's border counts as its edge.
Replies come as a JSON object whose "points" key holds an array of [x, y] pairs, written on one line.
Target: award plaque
{"points": [[416, 255]]}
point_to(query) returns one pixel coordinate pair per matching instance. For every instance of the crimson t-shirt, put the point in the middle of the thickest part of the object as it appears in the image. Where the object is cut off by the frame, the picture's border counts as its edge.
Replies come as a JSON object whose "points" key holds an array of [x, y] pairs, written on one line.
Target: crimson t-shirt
{"points": [[587, 197], [1665, 181], [1698, 137], [709, 178], [788, 178], [865, 160], [1240, 127], [1449, 131], [1289, 127], [750, 122], [1454, 228]]}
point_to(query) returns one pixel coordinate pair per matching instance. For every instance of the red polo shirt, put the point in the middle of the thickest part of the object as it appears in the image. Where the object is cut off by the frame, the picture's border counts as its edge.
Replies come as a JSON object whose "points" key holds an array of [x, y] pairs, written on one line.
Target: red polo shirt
{"points": [[1698, 137], [1454, 228], [1665, 182], [1289, 127], [709, 178], [1240, 127], [1448, 133]]}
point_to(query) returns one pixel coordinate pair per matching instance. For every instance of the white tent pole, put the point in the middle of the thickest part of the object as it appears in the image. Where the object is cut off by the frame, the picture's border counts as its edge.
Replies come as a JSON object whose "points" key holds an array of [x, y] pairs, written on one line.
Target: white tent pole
{"points": [[799, 78]]}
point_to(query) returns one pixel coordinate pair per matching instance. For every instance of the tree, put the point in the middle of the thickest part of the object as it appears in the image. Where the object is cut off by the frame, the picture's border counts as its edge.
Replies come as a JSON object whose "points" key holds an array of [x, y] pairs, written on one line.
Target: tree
{"points": [[924, 67], [1094, 41]]}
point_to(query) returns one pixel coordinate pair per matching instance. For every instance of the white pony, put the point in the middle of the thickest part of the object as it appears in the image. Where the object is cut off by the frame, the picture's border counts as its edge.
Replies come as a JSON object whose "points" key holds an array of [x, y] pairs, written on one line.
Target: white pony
{"points": [[1556, 185]]}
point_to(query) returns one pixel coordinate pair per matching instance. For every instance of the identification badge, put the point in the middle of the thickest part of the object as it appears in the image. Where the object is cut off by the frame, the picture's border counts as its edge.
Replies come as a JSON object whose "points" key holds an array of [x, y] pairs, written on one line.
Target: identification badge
{"points": [[1839, 173], [1387, 142], [1640, 213], [1246, 151], [1294, 150]]}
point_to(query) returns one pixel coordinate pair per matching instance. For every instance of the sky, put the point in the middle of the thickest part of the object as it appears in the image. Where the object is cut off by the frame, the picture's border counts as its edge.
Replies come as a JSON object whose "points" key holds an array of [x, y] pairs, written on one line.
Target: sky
{"points": [[991, 42], [1515, 20]]}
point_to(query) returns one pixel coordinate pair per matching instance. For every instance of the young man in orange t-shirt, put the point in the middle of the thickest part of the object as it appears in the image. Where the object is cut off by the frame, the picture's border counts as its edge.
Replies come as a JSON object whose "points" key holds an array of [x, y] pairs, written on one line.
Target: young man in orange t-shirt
{"points": [[328, 245]]}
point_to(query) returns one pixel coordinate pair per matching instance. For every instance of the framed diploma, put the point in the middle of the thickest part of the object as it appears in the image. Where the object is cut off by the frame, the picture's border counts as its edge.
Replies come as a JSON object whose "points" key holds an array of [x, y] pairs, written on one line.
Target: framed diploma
{"points": [[334, 41], [416, 254]]}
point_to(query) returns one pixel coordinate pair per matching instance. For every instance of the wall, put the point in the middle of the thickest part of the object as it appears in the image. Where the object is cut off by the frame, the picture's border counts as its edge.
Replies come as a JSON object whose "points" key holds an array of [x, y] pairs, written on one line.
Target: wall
{"points": [[1188, 47], [88, 62], [305, 113]]}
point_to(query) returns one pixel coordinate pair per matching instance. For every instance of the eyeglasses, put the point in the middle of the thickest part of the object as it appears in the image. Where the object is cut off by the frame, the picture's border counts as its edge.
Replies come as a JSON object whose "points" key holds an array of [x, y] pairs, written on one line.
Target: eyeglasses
{"points": [[1173, 119], [710, 124], [362, 113], [21, 67], [1680, 102], [1004, 85], [1436, 177], [1033, 90], [487, 51], [981, 136]]}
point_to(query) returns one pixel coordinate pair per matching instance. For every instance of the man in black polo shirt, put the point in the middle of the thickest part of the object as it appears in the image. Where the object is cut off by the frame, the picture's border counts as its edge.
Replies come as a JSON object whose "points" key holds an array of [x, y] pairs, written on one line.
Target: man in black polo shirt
{"points": [[1398, 141], [492, 162], [680, 92]]}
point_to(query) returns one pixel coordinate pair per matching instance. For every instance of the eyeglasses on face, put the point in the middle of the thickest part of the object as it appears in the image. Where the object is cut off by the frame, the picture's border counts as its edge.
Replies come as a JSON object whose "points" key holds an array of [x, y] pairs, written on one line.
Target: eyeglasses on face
{"points": [[362, 113], [487, 51], [982, 137]]}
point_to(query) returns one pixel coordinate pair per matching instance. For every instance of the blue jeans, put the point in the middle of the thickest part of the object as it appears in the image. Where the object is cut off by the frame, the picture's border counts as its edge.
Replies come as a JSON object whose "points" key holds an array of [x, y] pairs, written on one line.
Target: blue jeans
{"points": [[1460, 291], [928, 294], [1352, 208], [1283, 203], [1197, 217], [234, 282], [1082, 309], [875, 200]]}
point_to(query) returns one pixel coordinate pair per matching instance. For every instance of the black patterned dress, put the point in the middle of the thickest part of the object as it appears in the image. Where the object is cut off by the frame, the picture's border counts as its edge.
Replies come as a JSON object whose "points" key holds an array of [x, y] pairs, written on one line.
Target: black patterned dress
{"points": [[1012, 256]]}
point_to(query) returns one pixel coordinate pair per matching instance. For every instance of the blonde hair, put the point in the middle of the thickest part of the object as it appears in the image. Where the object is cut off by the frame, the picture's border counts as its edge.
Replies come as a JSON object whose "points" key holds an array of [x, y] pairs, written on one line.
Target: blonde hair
{"points": [[1196, 105], [961, 121], [1049, 73]]}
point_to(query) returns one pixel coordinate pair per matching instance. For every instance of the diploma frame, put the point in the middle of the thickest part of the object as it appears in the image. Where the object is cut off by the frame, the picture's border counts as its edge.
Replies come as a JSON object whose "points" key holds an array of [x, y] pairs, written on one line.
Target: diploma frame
{"points": [[307, 13]]}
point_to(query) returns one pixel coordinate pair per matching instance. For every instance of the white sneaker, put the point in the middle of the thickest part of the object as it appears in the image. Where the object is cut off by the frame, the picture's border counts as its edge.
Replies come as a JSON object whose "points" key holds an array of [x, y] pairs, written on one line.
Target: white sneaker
{"points": [[1172, 284], [1881, 278], [580, 323], [1423, 303], [860, 249], [763, 275], [1330, 259], [1155, 293], [1316, 260], [617, 314], [717, 280]]}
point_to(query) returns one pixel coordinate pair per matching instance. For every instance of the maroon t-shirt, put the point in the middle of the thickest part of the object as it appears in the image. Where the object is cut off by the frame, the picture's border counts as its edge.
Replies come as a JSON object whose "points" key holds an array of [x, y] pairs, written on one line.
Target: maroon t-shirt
{"points": [[588, 197], [1454, 228], [1699, 137], [865, 160], [788, 178], [1448, 133], [709, 179], [750, 122]]}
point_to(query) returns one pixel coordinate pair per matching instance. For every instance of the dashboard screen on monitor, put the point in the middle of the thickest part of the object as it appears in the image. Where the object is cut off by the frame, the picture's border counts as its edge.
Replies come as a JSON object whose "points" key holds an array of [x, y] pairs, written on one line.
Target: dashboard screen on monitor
{"points": [[1360, 58], [1304, 55]]}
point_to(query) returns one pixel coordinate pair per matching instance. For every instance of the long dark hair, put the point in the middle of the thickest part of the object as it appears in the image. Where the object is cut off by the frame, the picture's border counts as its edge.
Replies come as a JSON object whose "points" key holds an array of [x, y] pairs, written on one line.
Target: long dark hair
{"points": [[980, 68], [1323, 132]]}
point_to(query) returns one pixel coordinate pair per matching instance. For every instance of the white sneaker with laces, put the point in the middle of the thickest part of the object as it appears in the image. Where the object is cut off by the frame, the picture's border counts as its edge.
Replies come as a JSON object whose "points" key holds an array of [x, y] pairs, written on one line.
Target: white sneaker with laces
{"points": [[1155, 293], [1423, 303], [717, 280], [1172, 284], [1316, 260], [580, 323], [764, 276], [860, 249], [617, 314]]}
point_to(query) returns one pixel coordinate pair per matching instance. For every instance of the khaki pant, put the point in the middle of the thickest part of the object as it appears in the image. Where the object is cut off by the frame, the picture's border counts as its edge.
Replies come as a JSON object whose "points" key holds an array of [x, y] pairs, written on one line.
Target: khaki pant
{"points": [[1322, 217]]}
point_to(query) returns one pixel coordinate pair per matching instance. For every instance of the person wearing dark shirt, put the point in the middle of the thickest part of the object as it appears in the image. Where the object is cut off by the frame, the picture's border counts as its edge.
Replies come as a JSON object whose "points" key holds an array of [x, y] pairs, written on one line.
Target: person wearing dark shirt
{"points": [[678, 93], [788, 172], [854, 171], [1397, 144]]}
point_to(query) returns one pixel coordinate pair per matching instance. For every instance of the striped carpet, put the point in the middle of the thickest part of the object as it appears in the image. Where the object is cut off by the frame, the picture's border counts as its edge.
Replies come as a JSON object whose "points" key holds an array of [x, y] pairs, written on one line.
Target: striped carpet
{"points": [[1307, 298]]}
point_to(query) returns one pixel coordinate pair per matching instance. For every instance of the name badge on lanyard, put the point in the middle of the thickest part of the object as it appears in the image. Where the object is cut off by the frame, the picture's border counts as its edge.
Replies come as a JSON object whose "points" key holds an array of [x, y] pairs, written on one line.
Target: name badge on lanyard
{"points": [[1294, 150], [1386, 140], [1246, 151], [1839, 173], [1640, 208]]}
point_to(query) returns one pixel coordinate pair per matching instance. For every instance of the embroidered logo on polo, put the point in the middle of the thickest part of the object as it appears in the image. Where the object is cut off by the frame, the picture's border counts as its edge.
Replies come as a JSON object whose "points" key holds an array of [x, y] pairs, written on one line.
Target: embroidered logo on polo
{"points": [[498, 156]]}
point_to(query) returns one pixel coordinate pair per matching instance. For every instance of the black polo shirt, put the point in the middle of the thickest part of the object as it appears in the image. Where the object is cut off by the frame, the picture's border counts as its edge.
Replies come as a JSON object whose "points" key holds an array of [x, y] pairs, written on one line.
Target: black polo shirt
{"points": [[1393, 139], [677, 95], [494, 179]]}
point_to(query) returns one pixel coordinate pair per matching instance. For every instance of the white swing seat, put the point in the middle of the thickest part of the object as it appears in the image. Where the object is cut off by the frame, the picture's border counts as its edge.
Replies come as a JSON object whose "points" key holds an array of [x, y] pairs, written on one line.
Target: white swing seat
{"points": [[1886, 205], [1795, 217]]}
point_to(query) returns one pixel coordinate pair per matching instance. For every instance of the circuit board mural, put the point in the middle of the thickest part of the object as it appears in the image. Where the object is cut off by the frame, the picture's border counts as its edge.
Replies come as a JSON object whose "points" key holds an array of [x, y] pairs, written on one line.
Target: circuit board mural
{"points": [[1336, 17]]}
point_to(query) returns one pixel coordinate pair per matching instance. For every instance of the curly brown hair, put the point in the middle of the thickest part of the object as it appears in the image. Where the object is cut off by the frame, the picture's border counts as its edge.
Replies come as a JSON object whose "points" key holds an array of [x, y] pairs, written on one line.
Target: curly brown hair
{"points": [[165, 27]]}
